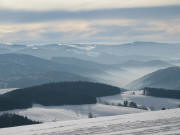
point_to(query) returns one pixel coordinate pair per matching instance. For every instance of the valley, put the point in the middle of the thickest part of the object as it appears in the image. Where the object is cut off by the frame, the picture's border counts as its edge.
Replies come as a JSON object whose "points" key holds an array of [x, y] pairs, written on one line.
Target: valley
{"points": [[85, 81]]}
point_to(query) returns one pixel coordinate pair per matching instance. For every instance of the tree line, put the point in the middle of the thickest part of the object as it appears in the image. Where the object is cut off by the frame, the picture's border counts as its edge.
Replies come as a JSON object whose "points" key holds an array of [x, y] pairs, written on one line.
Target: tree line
{"points": [[63, 93]]}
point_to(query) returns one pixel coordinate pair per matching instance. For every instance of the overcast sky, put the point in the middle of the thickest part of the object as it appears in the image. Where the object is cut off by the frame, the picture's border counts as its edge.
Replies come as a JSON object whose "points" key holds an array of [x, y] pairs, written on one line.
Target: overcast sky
{"points": [[89, 21]]}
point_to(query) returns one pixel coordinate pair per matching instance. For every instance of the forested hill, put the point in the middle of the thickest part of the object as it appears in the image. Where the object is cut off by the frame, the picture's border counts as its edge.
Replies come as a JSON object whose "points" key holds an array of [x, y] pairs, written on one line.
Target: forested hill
{"points": [[63, 93]]}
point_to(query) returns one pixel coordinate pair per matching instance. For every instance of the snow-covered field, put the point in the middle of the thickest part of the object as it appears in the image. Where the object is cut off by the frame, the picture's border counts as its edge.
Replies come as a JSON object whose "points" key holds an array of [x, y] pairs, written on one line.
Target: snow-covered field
{"points": [[3, 91], [165, 122], [155, 103], [72, 112]]}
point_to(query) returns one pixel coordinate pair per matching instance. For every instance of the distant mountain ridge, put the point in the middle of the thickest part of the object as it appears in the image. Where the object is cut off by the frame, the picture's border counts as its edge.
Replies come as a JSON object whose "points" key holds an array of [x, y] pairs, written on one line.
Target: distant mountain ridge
{"points": [[97, 52], [20, 70]]}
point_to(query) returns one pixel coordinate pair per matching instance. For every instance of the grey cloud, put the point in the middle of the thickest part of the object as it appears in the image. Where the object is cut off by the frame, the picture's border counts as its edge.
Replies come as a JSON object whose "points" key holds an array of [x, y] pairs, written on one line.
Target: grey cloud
{"points": [[112, 31], [166, 12]]}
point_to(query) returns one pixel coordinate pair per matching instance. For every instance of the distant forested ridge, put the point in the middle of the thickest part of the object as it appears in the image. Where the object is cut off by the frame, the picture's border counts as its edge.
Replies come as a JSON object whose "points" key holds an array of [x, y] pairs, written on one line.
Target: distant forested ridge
{"points": [[12, 120], [63, 93], [159, 92]]}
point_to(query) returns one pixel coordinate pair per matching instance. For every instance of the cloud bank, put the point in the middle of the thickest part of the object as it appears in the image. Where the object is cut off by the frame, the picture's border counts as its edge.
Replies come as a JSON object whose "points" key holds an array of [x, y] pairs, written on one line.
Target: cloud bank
{"points": [[74, 5], [78, 21]]}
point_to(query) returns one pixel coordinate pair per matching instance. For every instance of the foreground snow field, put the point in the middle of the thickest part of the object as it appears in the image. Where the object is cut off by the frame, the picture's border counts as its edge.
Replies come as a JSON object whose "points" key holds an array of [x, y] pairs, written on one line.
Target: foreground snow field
{"points": [[156, 122]]}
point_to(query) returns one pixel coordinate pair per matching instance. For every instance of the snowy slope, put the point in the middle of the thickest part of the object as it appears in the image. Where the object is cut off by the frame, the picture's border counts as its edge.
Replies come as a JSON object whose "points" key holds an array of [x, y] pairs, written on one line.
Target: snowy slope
{"points": [[72, 112], [154, 103], [155, 122]]}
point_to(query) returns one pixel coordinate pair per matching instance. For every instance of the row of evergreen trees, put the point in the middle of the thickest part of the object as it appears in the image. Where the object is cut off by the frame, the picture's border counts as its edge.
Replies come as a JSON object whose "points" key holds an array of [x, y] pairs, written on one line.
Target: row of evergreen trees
{"points": [[63, 93], [159, 92], [12, 120]]}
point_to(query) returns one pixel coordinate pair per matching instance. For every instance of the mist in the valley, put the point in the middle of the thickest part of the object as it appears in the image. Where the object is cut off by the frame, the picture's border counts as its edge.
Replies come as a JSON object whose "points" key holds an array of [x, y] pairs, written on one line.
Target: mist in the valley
{"points": [[123, 77]]}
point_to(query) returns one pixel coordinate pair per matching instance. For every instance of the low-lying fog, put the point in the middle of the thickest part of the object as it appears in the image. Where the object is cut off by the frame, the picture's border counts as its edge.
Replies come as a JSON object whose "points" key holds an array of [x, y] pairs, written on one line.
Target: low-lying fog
{"points": [[123, 77]]}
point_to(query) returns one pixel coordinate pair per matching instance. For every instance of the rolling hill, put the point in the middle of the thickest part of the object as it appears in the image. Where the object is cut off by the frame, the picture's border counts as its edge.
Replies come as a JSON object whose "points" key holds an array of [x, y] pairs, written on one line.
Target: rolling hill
{"points": [[20, 70], [168, 78], [63, 93]]}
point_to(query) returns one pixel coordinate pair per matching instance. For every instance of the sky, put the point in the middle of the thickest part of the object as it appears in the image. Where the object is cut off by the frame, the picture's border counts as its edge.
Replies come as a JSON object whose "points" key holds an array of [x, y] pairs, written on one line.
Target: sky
{"points": [[89, 21]]}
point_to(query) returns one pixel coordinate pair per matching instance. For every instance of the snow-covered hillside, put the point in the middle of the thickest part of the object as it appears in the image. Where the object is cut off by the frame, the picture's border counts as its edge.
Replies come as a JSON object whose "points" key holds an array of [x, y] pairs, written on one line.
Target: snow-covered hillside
{"points": [[72, 112], [154, 103], [156, 122]]}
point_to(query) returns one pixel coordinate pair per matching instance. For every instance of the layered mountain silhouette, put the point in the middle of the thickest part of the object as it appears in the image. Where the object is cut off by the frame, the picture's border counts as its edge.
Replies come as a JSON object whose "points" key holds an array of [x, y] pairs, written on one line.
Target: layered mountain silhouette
{"points": [[20, 70], [107, 54]]}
